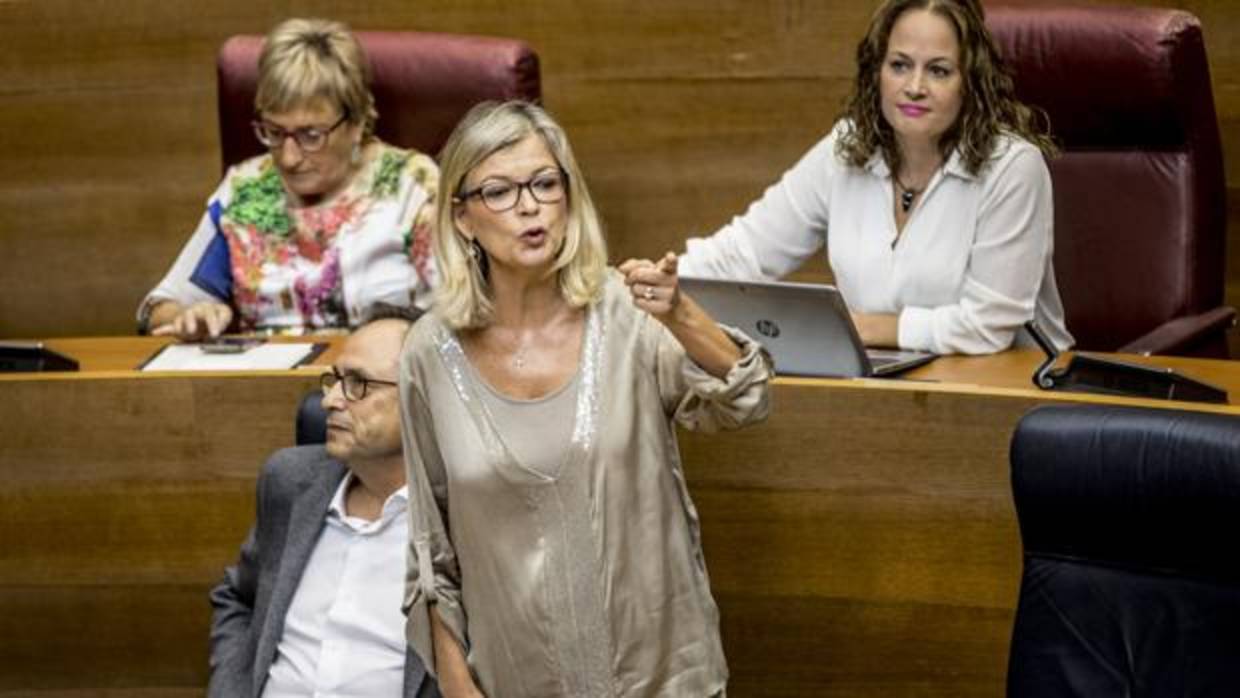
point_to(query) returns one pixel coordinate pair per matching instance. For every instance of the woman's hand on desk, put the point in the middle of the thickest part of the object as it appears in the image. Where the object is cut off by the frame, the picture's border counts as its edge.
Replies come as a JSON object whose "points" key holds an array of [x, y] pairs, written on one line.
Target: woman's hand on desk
{"points": [[200, 320], [878, 329]]}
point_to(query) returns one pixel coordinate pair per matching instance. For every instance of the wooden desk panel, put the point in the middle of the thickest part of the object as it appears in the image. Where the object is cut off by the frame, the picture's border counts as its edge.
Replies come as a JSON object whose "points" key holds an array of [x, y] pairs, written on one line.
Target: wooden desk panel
{"points": [[103, 640], [873, 531], [125, 495], [861, 543]]}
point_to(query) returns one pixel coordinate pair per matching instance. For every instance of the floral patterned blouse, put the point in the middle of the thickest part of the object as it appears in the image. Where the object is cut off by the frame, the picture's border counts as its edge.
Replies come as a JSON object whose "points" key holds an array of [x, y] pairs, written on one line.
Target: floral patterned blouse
{"points": [[289, 268]]}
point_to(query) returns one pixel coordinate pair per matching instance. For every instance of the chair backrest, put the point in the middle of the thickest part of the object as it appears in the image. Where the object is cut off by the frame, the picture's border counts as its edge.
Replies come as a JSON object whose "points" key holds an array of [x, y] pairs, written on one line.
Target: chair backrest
{"points": [[311, 421], [423, 84], [1140, 209], [1131, 583]]}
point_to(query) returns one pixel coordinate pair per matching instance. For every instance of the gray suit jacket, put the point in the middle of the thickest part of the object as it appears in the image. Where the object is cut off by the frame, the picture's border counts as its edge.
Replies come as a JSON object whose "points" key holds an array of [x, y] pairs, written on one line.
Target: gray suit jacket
{"points": [[250, 602]]}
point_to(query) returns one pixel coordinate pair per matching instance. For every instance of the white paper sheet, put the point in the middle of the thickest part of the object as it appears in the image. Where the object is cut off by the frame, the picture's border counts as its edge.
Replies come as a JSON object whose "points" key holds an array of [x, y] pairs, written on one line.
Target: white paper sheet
{"points": [[191, 357]]}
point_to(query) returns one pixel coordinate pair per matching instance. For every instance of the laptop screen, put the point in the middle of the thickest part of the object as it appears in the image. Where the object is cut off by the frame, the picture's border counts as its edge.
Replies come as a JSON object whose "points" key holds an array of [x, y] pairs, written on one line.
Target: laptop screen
{"points": [[806, 327]]}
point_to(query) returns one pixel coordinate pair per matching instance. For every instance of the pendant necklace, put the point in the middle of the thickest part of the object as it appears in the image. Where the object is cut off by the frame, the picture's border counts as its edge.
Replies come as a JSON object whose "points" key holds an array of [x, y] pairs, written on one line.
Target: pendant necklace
{"points": [[906, 195]]}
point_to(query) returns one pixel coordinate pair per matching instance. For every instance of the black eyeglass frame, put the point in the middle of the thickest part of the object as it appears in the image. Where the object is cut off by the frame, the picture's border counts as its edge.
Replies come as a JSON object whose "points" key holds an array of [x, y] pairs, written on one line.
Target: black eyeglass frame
{"points": [[527, 185], [329, 380], [297, 134]]}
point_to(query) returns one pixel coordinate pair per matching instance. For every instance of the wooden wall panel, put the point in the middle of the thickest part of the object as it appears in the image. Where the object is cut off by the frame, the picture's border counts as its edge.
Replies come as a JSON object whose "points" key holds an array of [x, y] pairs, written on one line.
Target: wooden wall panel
{"points": [[681, 113]]}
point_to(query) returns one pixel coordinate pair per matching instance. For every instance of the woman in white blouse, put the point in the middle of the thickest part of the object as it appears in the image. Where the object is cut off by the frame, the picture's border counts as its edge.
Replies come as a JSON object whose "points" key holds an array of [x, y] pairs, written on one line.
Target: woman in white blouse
{"points": [[931, 194]]}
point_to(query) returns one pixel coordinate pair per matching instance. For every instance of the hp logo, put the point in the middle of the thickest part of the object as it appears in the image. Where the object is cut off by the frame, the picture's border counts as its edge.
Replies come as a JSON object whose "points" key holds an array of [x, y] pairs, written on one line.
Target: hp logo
{"points": [[767, 328]]}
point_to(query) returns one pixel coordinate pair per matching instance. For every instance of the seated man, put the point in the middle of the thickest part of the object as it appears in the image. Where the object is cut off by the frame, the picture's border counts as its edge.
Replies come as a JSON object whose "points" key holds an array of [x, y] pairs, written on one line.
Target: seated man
{"points": [[313, 604]]}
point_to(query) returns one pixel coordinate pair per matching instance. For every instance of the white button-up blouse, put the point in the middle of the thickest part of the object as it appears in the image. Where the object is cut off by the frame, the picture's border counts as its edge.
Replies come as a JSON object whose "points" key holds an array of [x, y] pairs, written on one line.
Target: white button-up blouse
{"points": [[972, 265]]}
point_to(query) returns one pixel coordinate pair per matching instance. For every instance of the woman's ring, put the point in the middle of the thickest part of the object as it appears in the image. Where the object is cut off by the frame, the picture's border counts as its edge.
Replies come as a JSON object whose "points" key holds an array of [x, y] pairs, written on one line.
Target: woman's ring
{"points": [[649, 293]]}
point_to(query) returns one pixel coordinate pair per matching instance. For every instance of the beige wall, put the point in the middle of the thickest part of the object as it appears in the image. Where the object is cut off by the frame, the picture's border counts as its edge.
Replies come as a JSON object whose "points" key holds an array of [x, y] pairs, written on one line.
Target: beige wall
{"points": [[681, 112]]}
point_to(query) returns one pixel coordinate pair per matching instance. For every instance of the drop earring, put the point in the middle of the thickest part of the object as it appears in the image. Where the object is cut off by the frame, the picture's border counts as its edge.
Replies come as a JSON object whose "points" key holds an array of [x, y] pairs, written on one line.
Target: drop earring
{"points": [[355, 156], [479, 256]]}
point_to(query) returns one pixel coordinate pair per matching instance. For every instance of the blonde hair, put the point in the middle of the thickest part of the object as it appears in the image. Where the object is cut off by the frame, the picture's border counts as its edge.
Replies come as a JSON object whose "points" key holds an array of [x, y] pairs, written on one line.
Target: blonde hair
{"points": [[463, 298], [307, 59]]}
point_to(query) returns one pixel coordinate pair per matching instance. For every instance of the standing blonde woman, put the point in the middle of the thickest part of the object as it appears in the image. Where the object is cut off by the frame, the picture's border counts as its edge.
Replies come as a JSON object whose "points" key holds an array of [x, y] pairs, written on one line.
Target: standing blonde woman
{"points": [[329, 222], [554, 547]]}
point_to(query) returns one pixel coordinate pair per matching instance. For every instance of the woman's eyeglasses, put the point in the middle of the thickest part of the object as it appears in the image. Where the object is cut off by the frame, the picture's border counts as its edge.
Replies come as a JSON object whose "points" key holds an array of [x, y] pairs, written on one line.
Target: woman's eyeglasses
{"points": [[309, 139], [500, 195]]}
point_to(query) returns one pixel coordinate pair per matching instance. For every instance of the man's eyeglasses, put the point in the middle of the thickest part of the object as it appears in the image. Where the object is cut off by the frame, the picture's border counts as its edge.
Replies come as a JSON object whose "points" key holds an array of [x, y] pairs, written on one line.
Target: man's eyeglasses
{"points": [[354, 386], [309, 139], [499, 195]]}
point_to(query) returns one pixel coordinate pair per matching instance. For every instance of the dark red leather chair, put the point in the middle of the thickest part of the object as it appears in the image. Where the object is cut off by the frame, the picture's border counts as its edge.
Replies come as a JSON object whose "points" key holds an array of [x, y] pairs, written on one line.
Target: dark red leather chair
{"points": [[1140, 209], [423, 84]]}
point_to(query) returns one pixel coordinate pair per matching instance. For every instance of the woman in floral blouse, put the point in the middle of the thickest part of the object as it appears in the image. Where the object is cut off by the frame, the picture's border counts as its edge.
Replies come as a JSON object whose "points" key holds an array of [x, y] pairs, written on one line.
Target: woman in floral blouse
{"points": [[327, 223]]}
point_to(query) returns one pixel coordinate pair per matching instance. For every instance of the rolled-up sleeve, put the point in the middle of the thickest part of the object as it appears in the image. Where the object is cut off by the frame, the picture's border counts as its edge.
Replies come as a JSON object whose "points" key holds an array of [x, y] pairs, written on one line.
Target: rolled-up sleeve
{"points": [[698, 400], [433, 579]]}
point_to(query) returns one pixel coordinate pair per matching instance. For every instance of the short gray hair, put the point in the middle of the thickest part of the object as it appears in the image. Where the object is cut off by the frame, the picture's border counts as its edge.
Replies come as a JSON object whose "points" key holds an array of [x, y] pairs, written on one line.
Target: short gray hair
{"points": [[307, 59]]}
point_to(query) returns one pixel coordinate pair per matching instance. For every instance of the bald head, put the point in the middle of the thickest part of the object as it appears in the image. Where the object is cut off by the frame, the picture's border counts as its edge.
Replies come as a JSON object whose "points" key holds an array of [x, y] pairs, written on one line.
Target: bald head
{"points": [[381, 341]]}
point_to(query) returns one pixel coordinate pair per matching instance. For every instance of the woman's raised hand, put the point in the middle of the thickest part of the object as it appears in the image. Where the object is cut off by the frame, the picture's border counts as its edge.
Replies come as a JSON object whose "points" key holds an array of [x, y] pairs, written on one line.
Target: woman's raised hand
{"points": [[654, 285]]}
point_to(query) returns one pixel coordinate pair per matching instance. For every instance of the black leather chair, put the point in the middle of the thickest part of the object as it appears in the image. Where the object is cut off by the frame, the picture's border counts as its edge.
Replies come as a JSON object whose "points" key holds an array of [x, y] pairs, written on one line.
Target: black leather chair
{"points": [[1130, 520], [311, 419]]}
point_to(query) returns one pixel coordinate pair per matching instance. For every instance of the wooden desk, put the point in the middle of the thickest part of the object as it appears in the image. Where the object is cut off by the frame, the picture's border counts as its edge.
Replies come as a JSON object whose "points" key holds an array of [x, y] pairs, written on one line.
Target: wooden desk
{"points": [[863, 542], [124, 495], [860, 543]]}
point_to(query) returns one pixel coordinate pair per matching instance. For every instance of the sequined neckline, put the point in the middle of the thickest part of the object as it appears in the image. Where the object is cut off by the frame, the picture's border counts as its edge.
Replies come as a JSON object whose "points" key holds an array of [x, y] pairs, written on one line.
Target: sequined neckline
{"points": [[467, 382]]}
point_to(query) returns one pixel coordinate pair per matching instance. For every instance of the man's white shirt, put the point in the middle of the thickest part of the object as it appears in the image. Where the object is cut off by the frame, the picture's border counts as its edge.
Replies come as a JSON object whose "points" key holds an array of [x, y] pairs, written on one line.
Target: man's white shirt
{"points": [[344, 634]]}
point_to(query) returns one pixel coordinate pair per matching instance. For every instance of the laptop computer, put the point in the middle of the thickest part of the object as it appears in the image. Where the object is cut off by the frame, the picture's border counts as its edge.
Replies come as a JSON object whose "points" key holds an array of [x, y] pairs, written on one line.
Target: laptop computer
{"points": [[806, 327]]}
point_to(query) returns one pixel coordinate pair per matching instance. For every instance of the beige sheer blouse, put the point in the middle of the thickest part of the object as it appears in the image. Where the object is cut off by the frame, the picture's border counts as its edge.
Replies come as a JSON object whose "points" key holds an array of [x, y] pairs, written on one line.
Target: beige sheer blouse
{"points": [[588, 580]]}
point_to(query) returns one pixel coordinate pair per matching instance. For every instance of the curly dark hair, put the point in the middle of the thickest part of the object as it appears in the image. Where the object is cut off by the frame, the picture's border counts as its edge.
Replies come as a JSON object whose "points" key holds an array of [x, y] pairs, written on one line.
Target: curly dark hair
{"points": [[988, 102]]}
